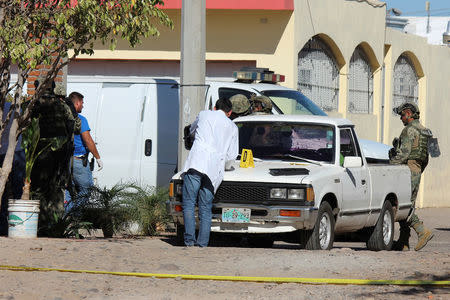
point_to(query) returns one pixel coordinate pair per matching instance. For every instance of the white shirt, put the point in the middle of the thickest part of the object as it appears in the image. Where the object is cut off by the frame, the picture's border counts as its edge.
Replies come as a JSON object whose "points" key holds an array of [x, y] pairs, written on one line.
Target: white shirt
{"points": [[216, 142]]}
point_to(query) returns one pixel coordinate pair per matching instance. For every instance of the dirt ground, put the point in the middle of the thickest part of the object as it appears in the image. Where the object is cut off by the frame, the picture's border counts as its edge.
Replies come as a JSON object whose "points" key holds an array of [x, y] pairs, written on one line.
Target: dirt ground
{"points": [[160, 255]]}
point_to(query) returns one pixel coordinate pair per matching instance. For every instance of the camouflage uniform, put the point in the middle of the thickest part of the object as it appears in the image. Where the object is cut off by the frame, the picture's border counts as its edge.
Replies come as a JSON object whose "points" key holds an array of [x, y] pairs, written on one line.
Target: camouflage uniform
{"points": [[261, 105], [50, 173], [412, 150], [240, 106]]}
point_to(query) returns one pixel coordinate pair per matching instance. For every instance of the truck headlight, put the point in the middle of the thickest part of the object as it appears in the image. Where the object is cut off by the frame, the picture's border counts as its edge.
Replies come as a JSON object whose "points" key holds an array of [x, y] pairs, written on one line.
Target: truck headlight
{"points": [[296, 194], [278, 193]]}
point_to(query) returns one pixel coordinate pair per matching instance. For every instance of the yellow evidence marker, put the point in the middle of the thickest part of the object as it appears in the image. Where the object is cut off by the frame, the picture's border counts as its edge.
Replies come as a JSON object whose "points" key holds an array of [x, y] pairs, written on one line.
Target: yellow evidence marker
{"points": [[247, 159]]}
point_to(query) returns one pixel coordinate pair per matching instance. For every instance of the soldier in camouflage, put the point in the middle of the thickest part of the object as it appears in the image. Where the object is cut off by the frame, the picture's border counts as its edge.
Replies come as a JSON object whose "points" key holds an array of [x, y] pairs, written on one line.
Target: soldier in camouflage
{"points": [[411, 148], [261, 105], [240, 106], [58, 121]]}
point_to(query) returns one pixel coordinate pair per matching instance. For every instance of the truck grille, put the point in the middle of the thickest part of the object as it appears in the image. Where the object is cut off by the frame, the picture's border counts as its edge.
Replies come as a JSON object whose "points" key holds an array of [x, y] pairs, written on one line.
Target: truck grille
{"points": [[238, 193]]}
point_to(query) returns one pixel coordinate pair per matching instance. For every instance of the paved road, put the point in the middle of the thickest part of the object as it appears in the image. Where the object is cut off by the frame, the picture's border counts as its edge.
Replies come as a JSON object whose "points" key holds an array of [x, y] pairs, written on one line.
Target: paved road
{"points": [[159, 255]]}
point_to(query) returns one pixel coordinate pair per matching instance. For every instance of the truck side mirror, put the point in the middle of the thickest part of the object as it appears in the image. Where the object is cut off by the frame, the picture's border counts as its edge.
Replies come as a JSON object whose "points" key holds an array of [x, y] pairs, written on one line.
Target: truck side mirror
{"points": [[352, 162]]}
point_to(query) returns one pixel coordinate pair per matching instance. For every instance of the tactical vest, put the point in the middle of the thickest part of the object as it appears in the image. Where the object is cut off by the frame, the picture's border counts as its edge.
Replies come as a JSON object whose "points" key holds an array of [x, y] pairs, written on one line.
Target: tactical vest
{"points": [[420, 152], [52, 119]]}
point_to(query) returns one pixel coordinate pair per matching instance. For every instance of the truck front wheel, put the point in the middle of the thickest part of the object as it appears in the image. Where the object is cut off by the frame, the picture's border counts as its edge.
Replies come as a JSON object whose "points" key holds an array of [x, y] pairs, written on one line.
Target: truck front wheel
{"points": [[322, 236], [382, 234]]}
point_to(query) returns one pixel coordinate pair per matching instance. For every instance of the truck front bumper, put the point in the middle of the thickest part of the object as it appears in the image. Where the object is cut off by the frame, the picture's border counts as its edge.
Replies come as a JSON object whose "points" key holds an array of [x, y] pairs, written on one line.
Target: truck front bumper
{"points": [[263, 219]]}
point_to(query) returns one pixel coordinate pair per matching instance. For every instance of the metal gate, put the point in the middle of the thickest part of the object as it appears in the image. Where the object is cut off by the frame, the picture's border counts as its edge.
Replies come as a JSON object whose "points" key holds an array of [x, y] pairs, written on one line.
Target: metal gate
{"points": [[360, 98], [405, 82], [318, 75]]}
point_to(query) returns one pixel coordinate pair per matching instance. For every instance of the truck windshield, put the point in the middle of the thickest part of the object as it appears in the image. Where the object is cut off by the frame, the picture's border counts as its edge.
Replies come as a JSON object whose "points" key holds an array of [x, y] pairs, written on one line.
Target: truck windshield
{"points": [[293, 103], [269, 140]]}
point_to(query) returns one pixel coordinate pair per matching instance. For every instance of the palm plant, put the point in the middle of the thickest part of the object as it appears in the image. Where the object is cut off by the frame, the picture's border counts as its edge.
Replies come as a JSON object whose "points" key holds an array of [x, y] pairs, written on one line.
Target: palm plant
{"points": [[148, 208], [67, 225], [107, 208]]}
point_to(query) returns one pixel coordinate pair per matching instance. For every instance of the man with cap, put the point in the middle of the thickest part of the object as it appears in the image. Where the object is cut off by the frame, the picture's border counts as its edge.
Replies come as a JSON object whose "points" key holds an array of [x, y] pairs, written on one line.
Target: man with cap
{"points": [[411, 148], [240, 106], [261, 105]]}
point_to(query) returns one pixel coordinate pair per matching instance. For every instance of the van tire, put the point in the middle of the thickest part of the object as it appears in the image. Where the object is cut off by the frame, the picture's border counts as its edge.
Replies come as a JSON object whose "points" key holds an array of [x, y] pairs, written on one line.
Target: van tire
{"points": [[382, 235], [322, 235]]}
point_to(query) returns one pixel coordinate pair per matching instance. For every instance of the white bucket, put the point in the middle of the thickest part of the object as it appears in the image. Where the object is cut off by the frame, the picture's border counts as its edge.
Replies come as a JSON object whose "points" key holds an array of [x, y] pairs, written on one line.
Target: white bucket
{"points": [[23, 218]]}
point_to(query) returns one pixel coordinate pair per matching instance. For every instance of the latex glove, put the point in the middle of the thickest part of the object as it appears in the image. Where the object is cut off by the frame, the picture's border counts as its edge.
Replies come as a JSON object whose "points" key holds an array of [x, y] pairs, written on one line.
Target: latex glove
{"points": [[100, 164], [229, 165]]}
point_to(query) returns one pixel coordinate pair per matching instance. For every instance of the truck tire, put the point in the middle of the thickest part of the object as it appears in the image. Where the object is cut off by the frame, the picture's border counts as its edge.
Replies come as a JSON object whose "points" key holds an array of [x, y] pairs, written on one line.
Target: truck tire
{"points": [[179, 239], [382, 235], [322, 236]]}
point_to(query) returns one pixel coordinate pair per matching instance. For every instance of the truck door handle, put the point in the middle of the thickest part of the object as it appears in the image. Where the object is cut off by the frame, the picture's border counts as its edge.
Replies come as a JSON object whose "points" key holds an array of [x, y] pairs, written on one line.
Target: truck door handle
{"points": [[363, 181], [148, 147]]}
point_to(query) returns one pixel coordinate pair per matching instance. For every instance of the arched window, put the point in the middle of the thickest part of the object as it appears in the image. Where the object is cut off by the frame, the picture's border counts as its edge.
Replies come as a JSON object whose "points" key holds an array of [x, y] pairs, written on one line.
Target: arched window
{"points": [[318, 74], [405, 82], [360, 96]]}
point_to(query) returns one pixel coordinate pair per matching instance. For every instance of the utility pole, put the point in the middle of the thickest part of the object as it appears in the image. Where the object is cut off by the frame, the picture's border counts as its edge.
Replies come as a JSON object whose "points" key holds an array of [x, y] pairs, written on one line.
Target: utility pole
{"points": [[192, 68], [427, 8]]}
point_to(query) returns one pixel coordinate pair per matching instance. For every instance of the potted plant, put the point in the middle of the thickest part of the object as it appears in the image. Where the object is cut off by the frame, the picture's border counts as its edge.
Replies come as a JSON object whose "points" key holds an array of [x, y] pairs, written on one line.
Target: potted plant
{"points": [[23, 213]]}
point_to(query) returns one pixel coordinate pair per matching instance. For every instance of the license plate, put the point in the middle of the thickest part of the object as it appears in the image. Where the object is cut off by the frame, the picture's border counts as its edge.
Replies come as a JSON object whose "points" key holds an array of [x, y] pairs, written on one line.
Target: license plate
{"points": [[236, 215]]}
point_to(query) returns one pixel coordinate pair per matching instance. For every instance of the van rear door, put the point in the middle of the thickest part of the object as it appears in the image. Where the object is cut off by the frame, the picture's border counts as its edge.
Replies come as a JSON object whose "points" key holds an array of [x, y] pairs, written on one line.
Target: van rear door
{"points": [[119, 131], [160, 133]]}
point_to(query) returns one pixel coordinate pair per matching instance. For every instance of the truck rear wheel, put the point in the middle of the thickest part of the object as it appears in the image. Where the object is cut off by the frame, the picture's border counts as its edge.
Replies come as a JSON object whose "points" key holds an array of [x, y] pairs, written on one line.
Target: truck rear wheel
{"points": [[322, 236], [382, 235]]}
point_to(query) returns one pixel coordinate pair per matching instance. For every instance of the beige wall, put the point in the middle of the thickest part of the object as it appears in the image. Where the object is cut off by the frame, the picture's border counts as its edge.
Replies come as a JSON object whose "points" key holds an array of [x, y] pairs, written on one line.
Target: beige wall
{"points": [[274, 38]]}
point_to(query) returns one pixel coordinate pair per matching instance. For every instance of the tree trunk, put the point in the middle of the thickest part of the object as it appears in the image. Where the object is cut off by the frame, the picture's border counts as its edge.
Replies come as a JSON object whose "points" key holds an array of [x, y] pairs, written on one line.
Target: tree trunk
{"points": [[26, 190], [12, 138], [9, 157]]}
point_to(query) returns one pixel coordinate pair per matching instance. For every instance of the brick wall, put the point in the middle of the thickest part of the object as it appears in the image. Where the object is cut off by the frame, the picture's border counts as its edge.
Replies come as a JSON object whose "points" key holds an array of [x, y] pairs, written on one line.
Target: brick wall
{"points": [[40, 72]]}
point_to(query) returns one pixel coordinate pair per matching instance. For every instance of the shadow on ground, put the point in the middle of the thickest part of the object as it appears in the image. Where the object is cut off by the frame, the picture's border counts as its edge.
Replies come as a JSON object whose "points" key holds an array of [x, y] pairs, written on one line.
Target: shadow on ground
{"points": [[242, 241], [415, 290]]}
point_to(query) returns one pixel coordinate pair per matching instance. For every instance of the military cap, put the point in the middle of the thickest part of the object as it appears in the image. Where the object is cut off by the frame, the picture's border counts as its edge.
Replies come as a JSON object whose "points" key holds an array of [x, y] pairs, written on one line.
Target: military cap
{"points": [[60, 90], [240, 104], [408, 105], [265, 102]]}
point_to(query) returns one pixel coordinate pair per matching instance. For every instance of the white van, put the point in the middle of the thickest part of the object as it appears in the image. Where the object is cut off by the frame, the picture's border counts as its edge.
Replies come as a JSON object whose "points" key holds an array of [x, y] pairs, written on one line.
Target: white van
{"points": [[135, 126]]}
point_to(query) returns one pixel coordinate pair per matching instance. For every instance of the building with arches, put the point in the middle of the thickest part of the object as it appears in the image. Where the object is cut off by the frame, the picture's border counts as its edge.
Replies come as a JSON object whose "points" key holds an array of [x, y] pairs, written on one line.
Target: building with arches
{"points": [[339, 53]]}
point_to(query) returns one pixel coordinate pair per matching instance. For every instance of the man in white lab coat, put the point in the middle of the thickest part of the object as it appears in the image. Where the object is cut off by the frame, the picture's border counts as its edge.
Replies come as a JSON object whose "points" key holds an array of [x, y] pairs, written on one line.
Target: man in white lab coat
{"points": [[216, 143]]}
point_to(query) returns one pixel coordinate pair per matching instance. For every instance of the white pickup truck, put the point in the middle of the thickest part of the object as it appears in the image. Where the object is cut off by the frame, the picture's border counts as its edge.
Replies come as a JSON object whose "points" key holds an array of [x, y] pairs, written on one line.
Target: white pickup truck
{"points": [[310, 180]]}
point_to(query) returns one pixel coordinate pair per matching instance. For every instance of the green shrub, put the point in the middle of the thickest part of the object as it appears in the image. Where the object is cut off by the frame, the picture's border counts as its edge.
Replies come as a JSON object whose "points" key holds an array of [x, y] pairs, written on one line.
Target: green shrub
{"points": [[65, 226], [107, 208], [148, 208], [115, 209]]}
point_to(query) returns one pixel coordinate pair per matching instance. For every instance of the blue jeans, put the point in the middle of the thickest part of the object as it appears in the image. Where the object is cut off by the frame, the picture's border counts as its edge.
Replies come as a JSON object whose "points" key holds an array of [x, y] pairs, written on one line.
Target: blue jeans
{"points": [[193, 190], [81, 184]]}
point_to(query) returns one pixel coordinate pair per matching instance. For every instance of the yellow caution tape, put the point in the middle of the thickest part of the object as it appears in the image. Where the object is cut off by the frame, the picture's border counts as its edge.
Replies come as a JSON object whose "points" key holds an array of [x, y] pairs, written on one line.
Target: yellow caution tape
{"points": [[245, 278]]}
